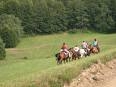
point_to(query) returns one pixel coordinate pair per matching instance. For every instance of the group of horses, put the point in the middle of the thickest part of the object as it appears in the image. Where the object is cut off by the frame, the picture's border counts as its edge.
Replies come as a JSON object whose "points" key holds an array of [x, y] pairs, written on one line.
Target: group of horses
{"points": [[62, 56]]}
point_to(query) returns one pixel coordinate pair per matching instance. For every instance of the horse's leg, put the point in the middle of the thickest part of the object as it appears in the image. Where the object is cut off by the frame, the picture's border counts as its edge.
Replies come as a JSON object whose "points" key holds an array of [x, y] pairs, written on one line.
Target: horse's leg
{"points": [[85, 55], [72, 58], [94, 52], [69, 59], [66, 59], [78, 57], [57, 62], [81, 55], [75, 58], [60, 62], [89, 53]]}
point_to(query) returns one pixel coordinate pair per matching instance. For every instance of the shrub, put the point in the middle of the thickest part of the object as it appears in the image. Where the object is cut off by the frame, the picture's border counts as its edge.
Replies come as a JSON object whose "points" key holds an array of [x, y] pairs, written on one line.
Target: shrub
{"points": [[10, 30]]}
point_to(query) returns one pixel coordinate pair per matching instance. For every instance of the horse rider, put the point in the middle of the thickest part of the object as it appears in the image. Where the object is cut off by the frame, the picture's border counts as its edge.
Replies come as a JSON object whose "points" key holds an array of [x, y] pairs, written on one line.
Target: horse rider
{"points": [[76, 48], [84, 45], [65, 49], [95, 44]]}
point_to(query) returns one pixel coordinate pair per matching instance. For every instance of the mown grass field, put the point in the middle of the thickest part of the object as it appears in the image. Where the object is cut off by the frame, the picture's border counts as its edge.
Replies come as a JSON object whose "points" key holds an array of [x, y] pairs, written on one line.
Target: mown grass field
{"points": [[33, 59]]}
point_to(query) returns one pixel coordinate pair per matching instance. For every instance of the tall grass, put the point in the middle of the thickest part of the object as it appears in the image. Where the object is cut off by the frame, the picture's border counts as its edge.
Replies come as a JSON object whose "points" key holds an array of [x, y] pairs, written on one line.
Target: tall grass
{"points": [[65, 73]]}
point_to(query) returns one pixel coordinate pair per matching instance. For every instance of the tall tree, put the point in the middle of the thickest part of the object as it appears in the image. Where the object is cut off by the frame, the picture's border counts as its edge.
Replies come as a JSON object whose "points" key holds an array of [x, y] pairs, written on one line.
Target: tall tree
{"points": [[99, 15], [77, 15]]}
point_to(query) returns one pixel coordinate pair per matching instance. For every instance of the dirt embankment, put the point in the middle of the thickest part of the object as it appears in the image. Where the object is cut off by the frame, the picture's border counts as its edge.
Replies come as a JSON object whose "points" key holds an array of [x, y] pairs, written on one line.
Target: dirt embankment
{"points": [[98, 75]]}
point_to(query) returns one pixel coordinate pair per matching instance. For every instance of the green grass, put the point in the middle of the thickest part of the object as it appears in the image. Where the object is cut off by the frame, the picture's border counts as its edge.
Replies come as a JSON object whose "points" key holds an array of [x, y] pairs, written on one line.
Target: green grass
{"points": [[33, 61]]}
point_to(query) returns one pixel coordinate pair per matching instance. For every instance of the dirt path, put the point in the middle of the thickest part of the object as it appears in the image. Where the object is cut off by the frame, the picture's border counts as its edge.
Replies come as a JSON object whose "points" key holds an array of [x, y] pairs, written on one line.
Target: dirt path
{"points": [[98, 75], [111, 83]]}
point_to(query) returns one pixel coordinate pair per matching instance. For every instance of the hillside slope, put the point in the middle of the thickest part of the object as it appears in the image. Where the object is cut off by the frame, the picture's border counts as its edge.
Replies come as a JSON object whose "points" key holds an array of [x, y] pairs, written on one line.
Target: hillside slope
{"points": [[34, 58]]}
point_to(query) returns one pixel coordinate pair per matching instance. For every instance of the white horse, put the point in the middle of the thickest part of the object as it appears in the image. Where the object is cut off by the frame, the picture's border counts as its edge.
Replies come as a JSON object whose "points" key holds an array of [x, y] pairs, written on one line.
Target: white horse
{"points": [[82, 52]]}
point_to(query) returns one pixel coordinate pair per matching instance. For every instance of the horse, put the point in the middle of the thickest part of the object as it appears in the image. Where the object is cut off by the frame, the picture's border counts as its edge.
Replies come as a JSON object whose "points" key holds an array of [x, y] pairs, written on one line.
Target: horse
{"points": [[62, 56], [88, 52], [74, 54], [80, 52], [93, 49]]}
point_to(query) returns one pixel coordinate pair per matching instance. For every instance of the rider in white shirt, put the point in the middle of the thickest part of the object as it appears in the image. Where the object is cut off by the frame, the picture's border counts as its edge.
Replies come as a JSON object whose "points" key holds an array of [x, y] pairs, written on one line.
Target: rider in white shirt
{"points": [[84, 45], [76, 48]]}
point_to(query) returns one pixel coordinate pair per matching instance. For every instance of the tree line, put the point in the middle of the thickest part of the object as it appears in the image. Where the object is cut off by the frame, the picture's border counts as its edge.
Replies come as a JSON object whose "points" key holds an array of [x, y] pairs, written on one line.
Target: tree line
{"points": [[51, 16]]}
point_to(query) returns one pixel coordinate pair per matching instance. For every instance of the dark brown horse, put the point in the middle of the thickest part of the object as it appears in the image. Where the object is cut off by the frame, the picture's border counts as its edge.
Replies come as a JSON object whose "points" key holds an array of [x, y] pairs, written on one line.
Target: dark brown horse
{"points": [[63, 56], [74, 54]]}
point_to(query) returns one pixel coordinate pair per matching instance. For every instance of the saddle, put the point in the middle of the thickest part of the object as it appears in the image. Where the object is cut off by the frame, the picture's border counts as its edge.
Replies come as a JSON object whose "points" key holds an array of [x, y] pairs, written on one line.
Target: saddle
{"points": [[66, 54]]}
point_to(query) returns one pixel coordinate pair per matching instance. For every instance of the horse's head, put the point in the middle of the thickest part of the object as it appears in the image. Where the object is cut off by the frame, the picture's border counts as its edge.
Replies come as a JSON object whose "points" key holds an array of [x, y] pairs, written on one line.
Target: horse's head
{"points": [[70, 49], [89, 46], [56, 55]]}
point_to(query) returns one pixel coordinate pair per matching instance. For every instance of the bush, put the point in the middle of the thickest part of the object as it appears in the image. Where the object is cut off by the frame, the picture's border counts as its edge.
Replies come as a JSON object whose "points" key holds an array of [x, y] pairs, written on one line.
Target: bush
{"points": [[10, 30], [2, 50]]}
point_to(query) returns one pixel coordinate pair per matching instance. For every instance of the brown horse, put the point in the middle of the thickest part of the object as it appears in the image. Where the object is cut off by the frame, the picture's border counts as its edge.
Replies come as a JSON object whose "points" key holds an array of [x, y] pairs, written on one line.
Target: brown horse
{"points": [[62, 56], [93, 50]]}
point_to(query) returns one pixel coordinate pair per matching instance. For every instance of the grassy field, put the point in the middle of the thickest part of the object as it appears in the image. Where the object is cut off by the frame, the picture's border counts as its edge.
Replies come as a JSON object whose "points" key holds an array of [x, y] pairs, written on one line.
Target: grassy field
{"points": [[33, 59]]}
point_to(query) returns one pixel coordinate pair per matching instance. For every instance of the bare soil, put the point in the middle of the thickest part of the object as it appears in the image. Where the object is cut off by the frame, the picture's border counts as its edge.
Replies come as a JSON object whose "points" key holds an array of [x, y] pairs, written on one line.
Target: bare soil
{"points": [[98, 75]]}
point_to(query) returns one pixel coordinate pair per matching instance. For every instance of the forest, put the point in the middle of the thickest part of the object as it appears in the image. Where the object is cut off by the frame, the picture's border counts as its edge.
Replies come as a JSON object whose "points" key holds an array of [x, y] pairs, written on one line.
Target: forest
{"points": [[52, 16], [36, 17]]}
